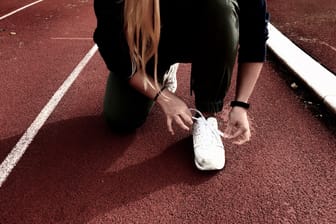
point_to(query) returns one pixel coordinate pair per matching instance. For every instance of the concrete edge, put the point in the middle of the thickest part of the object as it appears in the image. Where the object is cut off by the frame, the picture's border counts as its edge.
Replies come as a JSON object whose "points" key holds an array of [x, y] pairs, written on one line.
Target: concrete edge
{"points": [[320, 80]]}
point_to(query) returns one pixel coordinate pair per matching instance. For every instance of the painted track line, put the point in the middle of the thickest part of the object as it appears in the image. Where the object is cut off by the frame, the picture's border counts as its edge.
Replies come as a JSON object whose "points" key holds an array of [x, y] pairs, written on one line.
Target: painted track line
{"points": [[20, 9], [21, 146], [320, 80]]}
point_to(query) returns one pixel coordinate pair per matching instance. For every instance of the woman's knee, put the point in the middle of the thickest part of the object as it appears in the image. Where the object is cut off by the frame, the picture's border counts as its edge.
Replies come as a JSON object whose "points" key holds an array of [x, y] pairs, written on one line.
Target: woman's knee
{"points": [[124, 108], [128, 116]]}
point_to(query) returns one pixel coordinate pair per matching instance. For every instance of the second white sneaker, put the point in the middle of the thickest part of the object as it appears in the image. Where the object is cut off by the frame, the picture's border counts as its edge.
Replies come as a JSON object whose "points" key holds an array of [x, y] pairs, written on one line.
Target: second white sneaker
{"points": [[208, 146], [169, 78]]}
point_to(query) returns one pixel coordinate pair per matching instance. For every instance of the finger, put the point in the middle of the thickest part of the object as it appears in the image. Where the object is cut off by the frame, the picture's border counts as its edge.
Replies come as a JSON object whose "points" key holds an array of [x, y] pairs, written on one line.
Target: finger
{"points": [[228, 131], [188, 112], [187, 119], [237, 133], [179, 121], [240, 141], [245, 137], [233, 131], [248, 135], [169, 125]]}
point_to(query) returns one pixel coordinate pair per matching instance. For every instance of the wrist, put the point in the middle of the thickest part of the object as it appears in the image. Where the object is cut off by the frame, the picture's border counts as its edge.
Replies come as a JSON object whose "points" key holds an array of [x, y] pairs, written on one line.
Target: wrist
{"points": [[238, 110], [158, 94], [163, 97]]}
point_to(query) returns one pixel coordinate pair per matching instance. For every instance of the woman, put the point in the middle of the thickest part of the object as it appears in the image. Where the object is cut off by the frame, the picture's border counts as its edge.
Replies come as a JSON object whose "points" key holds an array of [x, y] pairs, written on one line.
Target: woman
{"points": [[140, 39]]}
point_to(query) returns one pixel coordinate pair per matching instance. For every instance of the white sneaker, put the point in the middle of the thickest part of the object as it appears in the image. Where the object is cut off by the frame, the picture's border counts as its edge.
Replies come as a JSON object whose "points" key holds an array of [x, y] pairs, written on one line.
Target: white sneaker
{"points": [[208, 146], [169, 78]]}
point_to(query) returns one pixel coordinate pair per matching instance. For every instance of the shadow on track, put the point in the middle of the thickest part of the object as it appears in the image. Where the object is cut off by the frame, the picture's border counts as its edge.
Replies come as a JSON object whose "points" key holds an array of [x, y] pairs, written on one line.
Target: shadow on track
{"points": [[78, 169]]}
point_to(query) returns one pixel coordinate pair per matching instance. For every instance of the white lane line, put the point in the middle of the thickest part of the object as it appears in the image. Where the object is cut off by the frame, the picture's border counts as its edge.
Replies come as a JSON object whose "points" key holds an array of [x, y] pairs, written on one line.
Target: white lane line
{"points": [[21, 146], [20, 9]]}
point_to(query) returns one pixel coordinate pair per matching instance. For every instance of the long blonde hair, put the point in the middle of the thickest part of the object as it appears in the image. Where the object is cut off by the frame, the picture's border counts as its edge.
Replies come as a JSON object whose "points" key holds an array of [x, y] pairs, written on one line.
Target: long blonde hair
{"points": [[142, 29]]}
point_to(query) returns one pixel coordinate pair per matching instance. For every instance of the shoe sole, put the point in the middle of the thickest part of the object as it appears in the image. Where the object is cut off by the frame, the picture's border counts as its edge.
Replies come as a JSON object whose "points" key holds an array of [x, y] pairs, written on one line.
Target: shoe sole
{"points": [[205, 169]]}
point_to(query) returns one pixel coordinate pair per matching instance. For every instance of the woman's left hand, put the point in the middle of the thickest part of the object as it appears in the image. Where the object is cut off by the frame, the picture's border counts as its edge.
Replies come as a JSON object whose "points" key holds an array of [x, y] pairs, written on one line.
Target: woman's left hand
{"points": [[238, 127]]}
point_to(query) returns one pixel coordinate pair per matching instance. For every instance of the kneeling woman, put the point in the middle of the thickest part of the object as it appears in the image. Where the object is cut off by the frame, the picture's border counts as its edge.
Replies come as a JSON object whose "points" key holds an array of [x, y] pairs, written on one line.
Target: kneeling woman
{"points": [[140, 40]]}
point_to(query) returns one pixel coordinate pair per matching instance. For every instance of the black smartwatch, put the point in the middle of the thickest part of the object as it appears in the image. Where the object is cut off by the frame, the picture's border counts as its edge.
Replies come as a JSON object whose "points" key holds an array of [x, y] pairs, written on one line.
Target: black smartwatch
{"points": [[237, 103]]}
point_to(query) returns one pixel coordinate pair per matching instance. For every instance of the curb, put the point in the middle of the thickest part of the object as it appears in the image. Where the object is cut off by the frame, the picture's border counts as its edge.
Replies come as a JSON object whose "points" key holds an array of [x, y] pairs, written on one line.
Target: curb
{"points": [[313, 74]]}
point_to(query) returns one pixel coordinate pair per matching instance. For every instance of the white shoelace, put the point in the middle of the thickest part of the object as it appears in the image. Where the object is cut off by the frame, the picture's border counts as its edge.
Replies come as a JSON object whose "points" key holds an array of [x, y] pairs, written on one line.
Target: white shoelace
{"points": [[204, 121]]}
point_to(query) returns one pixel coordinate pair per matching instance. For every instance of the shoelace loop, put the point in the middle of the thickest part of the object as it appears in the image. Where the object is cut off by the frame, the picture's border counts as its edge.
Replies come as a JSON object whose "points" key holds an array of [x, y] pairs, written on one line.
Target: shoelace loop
{"points": [[203, 120]]}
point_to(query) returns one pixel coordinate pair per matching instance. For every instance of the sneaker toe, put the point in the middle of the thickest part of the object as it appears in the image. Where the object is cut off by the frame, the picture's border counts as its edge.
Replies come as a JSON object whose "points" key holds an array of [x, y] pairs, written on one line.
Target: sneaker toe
{"points": [[210, 160]]}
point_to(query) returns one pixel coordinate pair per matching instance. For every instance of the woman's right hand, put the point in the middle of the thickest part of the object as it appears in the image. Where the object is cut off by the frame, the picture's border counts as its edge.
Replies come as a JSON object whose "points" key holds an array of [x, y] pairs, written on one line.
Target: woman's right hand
{"points": [[176, 111]]}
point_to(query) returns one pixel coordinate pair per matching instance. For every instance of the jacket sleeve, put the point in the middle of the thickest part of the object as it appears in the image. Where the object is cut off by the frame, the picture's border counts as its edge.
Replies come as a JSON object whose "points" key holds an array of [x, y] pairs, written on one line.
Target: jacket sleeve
{"points": [[253, 20], [110, 38]]}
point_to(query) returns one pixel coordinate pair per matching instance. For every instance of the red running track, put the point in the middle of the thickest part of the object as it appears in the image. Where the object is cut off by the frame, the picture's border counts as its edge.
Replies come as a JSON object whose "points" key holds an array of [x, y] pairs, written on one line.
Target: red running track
{"points": [[310, 24], [77, 171]]}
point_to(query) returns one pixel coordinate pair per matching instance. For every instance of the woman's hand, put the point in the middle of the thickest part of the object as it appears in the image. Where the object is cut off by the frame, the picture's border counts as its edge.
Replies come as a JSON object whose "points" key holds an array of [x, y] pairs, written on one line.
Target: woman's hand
{"points": [[238, 127], [176, 111]]}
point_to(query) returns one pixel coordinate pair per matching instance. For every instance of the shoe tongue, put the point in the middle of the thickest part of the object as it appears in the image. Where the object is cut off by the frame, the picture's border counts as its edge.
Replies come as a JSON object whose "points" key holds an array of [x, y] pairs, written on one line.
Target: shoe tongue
{"points": [[212, 121]]}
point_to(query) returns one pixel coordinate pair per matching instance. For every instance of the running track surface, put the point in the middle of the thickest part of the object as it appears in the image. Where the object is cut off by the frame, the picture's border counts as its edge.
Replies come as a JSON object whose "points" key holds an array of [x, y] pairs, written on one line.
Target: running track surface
{"points": [[77, 171], [310, 24]]}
